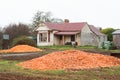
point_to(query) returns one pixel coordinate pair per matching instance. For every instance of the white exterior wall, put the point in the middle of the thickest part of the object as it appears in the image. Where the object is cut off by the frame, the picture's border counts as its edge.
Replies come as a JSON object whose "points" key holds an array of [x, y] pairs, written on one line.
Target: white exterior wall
{"points": [[88, 37], [78, 38], [45, 29], [51, 38], [67, 38], [55, 39]]}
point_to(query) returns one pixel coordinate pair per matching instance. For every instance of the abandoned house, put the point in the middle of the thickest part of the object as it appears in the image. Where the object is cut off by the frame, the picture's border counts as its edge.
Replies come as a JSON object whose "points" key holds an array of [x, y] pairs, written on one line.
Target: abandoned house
{"points": [[63, 33]]}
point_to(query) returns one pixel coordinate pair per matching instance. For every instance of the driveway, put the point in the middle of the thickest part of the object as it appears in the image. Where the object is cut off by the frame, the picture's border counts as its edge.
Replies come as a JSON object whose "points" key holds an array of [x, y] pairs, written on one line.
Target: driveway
{"points": [[20, 56]]}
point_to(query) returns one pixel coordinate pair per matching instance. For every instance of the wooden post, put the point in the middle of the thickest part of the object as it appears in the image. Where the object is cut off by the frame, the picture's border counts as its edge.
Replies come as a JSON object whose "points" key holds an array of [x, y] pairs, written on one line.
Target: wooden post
{"points": [[75, 38], [63, 40], [48, 36]]}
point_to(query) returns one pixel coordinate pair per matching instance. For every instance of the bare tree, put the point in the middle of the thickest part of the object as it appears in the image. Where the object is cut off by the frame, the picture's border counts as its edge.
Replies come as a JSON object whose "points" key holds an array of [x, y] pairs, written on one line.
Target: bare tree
{"points": [[1, 35], [14, 30], [56, 20], [41, 16]]}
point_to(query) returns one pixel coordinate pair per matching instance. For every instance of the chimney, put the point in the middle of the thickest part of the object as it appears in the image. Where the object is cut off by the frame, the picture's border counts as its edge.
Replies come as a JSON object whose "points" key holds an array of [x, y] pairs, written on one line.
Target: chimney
{"points": [[66, 21]]}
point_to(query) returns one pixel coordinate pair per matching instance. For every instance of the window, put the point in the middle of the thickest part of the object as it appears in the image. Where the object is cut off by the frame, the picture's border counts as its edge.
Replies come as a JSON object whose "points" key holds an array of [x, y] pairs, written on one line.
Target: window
{"points": [[43, 37], [72, 37]]}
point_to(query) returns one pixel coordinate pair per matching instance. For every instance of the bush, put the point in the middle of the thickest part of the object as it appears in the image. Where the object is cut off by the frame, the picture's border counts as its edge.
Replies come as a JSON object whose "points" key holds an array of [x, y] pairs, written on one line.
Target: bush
{"points": [[23, 40]]}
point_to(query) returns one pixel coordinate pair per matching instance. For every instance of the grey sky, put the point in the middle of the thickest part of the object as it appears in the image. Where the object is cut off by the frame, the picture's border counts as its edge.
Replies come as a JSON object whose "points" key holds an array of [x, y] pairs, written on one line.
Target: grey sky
{"points": [[101, 13]]}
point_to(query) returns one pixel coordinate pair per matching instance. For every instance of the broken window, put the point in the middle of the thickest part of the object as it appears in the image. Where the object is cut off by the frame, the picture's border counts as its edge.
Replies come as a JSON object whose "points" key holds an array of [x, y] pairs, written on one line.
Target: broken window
{"points": [[43, 37]]}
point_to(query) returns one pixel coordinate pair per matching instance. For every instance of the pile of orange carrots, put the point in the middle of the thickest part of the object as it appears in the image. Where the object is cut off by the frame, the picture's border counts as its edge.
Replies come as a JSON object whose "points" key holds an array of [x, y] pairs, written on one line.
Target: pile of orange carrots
{"points": [[70, 59], [21, 48]]}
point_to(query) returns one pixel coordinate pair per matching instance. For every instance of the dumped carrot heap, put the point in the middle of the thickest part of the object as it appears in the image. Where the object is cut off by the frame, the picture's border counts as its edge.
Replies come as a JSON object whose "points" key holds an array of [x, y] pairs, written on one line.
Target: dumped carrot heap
{"points": [[21, 48], [70, 59]]}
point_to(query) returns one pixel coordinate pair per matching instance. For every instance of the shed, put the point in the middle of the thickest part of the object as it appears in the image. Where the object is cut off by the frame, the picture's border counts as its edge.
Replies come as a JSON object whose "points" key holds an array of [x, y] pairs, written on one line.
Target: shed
{"points": [[116, 38]]}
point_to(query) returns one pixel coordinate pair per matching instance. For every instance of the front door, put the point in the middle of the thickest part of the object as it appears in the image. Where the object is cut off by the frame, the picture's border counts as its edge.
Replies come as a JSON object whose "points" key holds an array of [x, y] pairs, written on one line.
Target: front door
{"points": [[72, 38], [60, 38]]}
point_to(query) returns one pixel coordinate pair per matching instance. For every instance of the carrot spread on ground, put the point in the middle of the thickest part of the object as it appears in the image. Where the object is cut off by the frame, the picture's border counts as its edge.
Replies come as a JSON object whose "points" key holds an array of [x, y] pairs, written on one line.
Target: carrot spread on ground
{"points": [[21, 48], [70, 59]]}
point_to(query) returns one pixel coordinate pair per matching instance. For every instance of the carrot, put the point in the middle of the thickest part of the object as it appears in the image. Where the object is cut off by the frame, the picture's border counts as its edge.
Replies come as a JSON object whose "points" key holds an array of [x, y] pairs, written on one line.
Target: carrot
{"points": [[21, 48], [70, 59]]}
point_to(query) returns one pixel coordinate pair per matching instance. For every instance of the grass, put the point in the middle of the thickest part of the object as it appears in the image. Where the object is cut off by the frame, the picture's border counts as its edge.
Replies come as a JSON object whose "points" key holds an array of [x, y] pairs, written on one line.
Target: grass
{"points": [[8, 66], [66, 47], [115, 51], [57, 47]]}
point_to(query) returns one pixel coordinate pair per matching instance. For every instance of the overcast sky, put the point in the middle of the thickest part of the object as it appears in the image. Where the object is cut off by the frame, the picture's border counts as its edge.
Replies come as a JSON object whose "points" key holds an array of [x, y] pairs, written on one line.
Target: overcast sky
{"points": [[101, 13]]}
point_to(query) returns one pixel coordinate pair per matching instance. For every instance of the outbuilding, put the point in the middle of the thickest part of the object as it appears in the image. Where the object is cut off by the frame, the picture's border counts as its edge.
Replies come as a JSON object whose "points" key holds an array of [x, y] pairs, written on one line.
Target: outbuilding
{"points": [[116, 38]]}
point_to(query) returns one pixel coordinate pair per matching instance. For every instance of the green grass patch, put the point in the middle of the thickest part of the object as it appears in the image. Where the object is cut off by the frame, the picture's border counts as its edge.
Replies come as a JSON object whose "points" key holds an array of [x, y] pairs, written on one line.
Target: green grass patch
{"points": [[56, 72], [66, 47], [115, 51], [57, 47], [8, 66]]}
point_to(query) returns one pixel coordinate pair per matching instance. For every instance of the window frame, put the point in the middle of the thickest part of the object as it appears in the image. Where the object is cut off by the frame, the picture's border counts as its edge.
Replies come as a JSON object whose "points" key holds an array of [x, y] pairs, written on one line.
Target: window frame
{"points": [[43, 37], [72, 37]]}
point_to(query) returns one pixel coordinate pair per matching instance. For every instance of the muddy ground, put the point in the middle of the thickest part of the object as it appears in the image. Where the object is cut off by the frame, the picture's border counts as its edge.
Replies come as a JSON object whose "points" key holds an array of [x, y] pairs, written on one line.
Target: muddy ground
{"points": [[18, 56], [10, 76]]}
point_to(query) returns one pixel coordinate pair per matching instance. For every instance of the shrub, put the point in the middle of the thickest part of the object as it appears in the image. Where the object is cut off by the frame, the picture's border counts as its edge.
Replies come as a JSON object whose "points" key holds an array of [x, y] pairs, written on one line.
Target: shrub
{"points": [[23, 40]]}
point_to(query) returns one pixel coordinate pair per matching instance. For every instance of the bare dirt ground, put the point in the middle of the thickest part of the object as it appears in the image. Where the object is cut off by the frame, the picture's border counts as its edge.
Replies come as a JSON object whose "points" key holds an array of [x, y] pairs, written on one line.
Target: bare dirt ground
{"points": [[10, 76], [111, 77], [22, 56]]}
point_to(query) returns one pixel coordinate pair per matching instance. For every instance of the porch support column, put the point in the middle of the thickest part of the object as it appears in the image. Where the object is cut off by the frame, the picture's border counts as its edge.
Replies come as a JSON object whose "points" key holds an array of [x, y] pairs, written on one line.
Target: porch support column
{"points": [[75, 38], [38, 38], [63, 40], [47, 36]]}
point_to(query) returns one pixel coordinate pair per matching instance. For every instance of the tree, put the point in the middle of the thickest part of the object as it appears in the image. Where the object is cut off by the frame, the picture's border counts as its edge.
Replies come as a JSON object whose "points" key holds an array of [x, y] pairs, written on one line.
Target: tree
{"points": [[23, 40], [41, 16], [56, 20], [14, 30], [1, 35], [108, 32]]}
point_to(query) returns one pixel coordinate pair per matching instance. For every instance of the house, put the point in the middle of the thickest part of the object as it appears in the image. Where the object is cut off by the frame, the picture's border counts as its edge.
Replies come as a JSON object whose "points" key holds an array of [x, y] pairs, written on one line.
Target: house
{"points": [[62, 33], [116, 38]]}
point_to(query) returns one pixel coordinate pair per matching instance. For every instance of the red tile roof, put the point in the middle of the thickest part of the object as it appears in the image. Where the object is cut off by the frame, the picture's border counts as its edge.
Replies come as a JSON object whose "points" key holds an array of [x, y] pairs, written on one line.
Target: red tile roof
{"points": [[71, 28], [66, 33], [66, 26]]}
